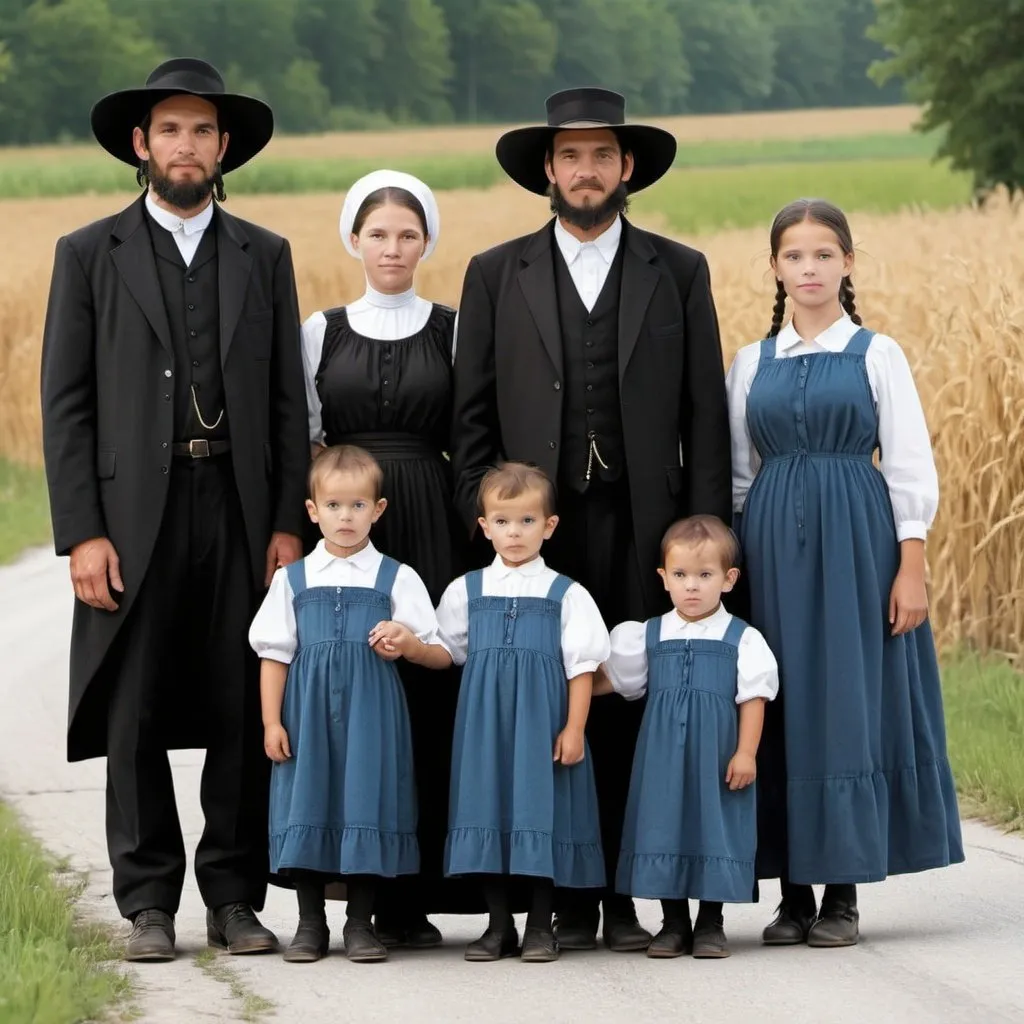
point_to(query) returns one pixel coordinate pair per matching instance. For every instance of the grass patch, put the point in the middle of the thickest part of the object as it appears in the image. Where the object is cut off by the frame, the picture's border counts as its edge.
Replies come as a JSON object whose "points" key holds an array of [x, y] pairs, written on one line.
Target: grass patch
{"points": [[51, 966], [24, 175], [253, 1006], [704, 199], [984, 701], [24, 511]]}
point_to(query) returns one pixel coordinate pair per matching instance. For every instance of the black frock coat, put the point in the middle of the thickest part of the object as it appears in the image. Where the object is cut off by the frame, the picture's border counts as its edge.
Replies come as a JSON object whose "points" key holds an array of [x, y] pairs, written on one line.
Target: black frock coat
{"points": [[108, 413], [508, 376]]}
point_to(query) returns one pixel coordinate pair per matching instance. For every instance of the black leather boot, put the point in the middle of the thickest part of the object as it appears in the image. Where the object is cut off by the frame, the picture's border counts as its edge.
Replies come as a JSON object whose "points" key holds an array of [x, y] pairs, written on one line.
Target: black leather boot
{"points": [[152, 937], [796, 914], [838, 923], [234, 927], [494, 944]]}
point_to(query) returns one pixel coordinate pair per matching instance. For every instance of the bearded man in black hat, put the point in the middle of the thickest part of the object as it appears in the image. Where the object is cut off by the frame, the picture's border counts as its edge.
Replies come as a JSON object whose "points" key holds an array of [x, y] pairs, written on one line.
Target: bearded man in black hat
{"points": [[174, 430], [591, 348]]}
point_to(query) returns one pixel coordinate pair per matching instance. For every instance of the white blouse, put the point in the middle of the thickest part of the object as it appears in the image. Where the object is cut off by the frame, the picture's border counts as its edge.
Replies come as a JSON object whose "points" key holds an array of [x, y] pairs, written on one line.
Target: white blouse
{"points": [[376, 315], [907, 461], [757, 671], [584, 635], [273, 633]]}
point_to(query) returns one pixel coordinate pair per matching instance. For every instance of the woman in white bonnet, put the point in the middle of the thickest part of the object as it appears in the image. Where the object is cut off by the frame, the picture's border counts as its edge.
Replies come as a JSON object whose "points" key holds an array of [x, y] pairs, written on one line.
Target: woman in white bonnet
{"points": [[379, 375]]}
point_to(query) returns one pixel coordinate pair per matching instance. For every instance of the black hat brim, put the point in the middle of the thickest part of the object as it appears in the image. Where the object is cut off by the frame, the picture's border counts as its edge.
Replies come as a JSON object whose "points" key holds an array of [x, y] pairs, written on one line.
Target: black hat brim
{"points": [[521, 153], [248, 121]]}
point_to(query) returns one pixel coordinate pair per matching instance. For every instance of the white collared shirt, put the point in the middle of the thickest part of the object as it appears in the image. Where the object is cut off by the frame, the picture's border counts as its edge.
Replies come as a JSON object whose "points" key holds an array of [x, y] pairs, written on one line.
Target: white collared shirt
{"points": [[376, 315], [273, 634], [589, 262], [757, 671], [188, 233], [584, 635], [907, 461]]}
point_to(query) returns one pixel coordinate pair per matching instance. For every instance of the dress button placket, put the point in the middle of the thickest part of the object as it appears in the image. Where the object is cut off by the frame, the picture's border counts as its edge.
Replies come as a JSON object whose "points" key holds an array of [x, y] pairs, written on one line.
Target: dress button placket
{"points": [[510, 620], [802, 446]]}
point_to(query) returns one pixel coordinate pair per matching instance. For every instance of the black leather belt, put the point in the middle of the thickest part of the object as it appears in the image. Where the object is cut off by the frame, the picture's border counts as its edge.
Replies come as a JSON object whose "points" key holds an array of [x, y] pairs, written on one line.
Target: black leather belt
{"points": [[199, 449]]}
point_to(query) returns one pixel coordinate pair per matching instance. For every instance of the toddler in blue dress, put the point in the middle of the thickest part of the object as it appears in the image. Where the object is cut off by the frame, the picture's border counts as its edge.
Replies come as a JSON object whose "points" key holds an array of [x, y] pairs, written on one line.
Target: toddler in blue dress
{"points": [[336, 725], [523, 801], [690, 830]]}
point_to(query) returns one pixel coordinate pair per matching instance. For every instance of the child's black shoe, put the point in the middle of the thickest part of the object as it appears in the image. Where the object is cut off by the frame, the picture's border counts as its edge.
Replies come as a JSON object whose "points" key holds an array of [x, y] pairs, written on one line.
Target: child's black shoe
{"points": [[494, 944], [709, 942], [361, 944], [310, 943], [674, 939], [539, 946]]}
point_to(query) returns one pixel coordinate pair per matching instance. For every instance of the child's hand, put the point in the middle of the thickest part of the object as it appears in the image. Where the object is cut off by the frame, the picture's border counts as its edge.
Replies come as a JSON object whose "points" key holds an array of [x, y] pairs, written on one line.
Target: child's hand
{"points": [[908, 602], [569, 746], [275, 743], [742, 771], [391, 640]]}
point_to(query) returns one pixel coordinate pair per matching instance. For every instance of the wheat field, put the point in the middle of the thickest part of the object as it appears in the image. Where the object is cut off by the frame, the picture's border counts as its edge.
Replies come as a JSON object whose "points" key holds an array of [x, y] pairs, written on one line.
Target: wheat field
{"points": [[470, 139], [948, 286]]}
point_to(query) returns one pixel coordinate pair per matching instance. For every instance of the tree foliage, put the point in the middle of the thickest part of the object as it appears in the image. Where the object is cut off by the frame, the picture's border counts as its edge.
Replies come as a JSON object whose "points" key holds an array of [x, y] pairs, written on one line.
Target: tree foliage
{"points": [[965, 63], [358, 63]]}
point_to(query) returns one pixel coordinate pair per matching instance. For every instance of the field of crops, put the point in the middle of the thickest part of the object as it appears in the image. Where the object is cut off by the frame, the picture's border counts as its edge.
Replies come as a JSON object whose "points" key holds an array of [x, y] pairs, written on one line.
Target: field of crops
{"points": [[942, 278]]}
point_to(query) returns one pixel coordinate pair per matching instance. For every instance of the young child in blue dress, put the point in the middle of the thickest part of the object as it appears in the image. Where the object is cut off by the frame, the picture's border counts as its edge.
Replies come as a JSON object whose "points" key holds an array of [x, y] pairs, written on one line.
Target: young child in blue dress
{"points": [[690, 829], [523, 802], [343, 796], [858, 782]]}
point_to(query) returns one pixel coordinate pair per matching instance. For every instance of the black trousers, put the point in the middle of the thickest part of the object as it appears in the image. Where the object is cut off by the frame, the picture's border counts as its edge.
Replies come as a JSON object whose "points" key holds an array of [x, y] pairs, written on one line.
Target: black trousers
{"points": [[184, 672], [594, 544]]}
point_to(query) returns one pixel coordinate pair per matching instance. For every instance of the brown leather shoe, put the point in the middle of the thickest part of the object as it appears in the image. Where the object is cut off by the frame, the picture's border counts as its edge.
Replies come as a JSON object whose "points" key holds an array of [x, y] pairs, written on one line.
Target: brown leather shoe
{"points": [[837, 925], [361, 943], [539, 946], [709, 942], [494, 944], [674, 939], [237, 929], [790, 927], [152, 937], [311, 941], [625, 936]]}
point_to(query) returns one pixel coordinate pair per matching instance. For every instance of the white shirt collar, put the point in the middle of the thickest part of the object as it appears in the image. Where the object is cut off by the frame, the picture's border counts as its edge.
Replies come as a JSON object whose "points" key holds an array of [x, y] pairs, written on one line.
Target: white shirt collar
{"points": [[834, 338], [719, 618], [532, 568], [606, 243], [320, 558], [384, 301], [172, 222]]}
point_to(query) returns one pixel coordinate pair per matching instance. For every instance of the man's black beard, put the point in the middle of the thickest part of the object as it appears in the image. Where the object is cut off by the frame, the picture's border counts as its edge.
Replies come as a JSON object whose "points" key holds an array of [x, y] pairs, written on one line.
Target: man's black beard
{"points": [[588, 217], [182, 195]]}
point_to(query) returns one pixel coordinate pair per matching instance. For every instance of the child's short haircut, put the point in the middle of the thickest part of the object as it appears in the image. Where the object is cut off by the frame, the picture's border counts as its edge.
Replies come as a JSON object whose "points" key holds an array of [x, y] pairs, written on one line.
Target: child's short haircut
{"points": [[696, 530], [344, 458], [510, 480]]}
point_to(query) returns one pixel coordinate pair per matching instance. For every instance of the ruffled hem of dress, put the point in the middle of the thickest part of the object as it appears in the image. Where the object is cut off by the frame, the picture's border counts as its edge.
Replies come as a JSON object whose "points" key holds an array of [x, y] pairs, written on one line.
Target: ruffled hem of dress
{"points": [[864, 828], [353, 850], [490, 851], [672, 876]]}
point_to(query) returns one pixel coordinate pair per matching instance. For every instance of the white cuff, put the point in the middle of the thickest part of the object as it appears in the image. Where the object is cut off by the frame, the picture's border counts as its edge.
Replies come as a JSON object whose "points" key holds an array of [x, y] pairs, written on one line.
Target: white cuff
{"points": [[911, 529]]}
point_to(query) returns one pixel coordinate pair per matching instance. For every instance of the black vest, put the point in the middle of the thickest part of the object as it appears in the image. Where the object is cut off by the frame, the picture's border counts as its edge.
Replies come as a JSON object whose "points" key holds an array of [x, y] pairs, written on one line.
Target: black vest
{"points": [[192, 301], [590, 356]]}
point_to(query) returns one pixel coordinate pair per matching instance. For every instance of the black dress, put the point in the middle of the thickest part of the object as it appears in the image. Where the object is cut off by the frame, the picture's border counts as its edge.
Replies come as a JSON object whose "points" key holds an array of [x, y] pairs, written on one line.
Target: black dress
{"points": [[394, 399]]}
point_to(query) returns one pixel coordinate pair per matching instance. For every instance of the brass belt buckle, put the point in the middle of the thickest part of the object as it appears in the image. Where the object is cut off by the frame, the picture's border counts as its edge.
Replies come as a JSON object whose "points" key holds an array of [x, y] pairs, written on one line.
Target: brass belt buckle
{"points": [[199, 448]]}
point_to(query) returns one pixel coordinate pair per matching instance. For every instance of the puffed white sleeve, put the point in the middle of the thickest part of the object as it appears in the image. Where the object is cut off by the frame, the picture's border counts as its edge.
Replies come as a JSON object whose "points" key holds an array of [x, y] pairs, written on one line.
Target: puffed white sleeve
{"points": [[585, 643], [273, 634], [411, 605], [627, 664], [745, 459], [453, 621], [907, 460], [757, 671], [312, 349]]}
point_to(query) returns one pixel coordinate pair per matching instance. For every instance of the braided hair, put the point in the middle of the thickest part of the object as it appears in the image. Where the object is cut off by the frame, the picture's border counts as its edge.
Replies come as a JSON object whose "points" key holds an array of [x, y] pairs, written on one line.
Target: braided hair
{"points": [[820, 211]]}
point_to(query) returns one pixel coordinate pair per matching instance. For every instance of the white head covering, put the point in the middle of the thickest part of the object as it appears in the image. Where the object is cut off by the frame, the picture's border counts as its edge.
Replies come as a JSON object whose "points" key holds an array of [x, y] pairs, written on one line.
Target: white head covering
{"points": [[389, 179]]}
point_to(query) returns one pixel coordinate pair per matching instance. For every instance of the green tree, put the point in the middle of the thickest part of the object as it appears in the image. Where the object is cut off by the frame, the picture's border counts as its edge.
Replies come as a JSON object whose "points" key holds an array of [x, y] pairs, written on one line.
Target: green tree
{"points": [[966, 65], [730, 55], [504, 54], [416, 66], [346, 38], [66, 55]]}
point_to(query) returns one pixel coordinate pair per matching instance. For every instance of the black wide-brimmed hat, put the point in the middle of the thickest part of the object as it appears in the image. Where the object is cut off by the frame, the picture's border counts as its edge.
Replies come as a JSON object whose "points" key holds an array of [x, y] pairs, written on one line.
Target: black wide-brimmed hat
{"points": [[249, 121], [521, 151]]}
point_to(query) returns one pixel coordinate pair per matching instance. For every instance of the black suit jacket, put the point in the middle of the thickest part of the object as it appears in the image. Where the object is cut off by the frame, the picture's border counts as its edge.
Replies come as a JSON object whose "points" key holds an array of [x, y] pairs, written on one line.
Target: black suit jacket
{"points": [[508, 379], [108, 404]]}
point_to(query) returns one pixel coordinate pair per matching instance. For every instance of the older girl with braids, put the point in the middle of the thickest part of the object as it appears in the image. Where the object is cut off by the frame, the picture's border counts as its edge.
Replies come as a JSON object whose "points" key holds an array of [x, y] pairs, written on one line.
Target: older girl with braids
{"points": [[854, 783]]}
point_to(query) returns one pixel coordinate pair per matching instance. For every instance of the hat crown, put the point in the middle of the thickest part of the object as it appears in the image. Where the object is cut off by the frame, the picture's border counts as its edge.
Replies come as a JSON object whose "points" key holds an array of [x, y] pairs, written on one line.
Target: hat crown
{"points": [[586, 105], [188, 74]]}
